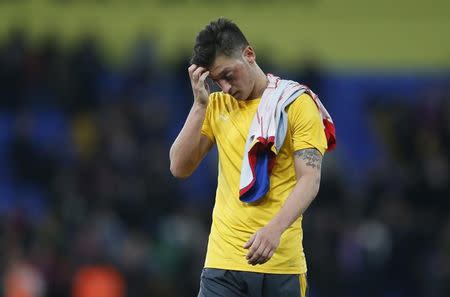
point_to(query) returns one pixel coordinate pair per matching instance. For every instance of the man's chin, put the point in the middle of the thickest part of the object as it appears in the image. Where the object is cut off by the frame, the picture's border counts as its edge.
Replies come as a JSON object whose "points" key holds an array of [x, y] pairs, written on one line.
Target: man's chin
{"points": [[237, 96]]}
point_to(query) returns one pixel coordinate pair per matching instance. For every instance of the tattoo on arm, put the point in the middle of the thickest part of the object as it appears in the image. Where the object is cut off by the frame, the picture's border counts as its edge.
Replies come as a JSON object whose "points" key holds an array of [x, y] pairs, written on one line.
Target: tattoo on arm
{"points": [[312, 157]]}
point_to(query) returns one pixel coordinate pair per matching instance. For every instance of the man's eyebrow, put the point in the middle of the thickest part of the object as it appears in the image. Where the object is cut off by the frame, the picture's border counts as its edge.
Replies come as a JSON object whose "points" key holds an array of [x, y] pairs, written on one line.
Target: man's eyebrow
{"points": [[220, 74]]}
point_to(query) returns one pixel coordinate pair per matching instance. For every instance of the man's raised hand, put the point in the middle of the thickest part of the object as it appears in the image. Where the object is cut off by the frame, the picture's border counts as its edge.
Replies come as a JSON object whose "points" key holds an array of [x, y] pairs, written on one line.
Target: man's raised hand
{"points": [[200, 87]]}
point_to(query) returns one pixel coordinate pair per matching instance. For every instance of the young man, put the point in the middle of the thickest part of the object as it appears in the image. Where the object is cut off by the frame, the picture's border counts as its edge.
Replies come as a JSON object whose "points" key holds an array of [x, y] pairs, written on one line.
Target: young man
{"points": [[255, 247]]}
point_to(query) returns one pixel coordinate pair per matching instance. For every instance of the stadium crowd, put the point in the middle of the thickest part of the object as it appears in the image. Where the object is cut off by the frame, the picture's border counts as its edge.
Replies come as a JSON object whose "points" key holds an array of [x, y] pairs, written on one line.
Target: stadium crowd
{"points": [[85, 182]]}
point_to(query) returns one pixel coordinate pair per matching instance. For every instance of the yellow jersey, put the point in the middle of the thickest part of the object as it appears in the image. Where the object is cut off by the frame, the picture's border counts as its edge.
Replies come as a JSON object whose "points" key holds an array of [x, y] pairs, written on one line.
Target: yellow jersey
{"points": [[226, 123]]}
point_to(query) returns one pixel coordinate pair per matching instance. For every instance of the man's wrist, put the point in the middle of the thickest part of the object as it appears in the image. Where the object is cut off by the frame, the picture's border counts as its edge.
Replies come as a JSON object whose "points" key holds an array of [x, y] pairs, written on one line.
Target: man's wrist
{"points": [[277, 226], [198, 105]]}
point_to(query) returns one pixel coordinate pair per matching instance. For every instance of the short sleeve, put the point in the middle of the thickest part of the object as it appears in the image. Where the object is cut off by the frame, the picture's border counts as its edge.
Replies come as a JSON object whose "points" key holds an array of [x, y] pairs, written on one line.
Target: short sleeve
{"points": [[306, 125], [207, 123]]}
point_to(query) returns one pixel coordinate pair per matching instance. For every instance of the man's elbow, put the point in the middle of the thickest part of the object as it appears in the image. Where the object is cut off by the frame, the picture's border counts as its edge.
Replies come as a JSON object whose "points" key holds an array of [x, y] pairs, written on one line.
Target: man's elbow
{"points": [[179, 172], [316, 186], [315, 191]]}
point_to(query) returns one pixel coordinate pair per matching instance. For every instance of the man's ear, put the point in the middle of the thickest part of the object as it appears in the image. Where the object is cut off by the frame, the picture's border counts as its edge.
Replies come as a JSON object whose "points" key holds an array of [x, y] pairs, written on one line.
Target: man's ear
{"points": [[249, 54]]}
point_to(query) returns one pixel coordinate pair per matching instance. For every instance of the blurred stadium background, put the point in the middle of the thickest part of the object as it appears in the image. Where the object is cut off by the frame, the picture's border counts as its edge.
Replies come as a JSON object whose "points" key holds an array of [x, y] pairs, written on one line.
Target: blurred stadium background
{"points": [[92, 94]]}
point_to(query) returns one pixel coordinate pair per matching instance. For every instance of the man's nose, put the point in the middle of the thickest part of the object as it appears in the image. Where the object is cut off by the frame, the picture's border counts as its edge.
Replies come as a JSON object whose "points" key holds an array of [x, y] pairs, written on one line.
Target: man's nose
{"points": [[225, 86]]}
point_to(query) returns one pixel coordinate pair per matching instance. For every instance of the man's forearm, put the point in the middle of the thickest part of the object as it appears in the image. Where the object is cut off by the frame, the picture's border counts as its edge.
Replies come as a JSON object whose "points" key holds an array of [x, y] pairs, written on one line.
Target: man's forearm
{"points": [[185, 151], [297, 202]]}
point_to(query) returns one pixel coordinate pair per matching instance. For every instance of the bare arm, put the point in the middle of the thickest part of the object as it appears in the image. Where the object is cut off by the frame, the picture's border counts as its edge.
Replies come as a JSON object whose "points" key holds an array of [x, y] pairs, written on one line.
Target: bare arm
{"points": [[190, 147], [308, 163], [264, 242]]}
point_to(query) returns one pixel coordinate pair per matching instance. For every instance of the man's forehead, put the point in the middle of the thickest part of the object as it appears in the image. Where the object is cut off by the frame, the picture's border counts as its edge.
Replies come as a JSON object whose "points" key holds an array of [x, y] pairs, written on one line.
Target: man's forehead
{"points": [[220, 65]]}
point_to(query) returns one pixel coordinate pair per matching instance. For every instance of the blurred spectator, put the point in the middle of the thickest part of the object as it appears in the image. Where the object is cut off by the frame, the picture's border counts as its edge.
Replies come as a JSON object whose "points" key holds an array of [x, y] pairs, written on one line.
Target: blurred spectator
{"points": [[98, 281], [22, 279]]}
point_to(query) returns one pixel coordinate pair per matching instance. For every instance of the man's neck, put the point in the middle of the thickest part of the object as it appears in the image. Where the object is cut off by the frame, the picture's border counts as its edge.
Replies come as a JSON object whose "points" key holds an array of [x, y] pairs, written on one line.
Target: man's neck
{"points": [[260, 84]]}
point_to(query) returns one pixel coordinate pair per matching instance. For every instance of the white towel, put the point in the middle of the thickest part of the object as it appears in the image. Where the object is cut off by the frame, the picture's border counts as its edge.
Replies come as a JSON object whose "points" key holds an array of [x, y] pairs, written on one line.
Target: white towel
{"points": [[267, 132]]}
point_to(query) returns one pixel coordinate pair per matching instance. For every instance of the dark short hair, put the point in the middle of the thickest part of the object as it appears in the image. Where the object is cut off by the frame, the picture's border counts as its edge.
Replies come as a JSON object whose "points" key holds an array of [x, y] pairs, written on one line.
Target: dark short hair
{"points": [[220, 37]]}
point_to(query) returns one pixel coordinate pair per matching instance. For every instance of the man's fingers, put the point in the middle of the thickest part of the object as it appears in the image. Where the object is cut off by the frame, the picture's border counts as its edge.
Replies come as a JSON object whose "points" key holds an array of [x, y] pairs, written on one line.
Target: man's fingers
{"points": [[257, 255], [269, 256], [202, 82], [260, 248], [265, 249], [265, 255], [191, 69], [196, 74], [203, 77], [250, 241], [255, 245]]}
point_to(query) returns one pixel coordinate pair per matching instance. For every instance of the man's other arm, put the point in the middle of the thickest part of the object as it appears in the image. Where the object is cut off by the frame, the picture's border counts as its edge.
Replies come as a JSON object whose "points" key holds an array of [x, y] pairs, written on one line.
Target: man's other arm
{"points": [[263, 243]]}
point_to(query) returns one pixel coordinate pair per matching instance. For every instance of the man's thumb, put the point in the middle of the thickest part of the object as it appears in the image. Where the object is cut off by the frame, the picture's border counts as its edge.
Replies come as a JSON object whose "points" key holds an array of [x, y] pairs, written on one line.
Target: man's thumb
{"points": [[250, 241]]}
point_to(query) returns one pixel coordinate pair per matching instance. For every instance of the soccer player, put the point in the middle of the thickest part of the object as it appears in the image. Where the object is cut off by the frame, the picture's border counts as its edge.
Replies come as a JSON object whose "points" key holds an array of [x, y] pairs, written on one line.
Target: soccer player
{"points": [[254, 248]]}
